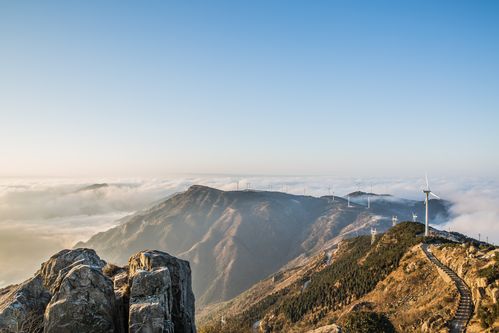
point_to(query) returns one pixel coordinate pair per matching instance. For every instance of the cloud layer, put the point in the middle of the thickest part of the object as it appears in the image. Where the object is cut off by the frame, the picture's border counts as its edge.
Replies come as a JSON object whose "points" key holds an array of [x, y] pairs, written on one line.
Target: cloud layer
{"points": [[40, 217]]}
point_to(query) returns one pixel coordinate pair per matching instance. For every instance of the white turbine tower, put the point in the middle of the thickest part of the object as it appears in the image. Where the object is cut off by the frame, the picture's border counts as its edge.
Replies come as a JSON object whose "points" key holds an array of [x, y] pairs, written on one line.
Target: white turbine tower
{"points": [[349, 202], [427, 192], [394, 220], [373, 235], [414, 217]]}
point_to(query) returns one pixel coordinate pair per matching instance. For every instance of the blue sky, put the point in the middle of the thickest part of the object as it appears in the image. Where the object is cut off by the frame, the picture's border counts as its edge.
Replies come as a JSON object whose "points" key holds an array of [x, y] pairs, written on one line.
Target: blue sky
{"points": [[149, 89]]}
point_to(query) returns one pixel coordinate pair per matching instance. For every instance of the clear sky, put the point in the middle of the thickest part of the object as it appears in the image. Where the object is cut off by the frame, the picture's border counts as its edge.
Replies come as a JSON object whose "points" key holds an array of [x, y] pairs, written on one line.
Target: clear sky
{"points": [[151, 88]]}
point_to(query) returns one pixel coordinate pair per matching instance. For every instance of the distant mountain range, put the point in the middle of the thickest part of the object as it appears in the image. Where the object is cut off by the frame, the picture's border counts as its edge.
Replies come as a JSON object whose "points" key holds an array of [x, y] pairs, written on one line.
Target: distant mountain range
{"points": [[234, 239]]}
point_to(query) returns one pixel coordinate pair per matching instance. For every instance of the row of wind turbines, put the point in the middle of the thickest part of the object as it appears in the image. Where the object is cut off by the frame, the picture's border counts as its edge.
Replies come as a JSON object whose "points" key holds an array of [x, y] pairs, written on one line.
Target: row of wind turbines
{"points": [[426, 191]]}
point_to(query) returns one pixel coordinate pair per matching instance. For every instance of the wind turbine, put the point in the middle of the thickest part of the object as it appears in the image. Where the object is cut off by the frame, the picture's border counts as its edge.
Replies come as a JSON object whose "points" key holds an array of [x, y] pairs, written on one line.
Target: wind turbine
{"points": [[414, 217], [394, 220], [349, 202], [427, 192], [373, 235]]}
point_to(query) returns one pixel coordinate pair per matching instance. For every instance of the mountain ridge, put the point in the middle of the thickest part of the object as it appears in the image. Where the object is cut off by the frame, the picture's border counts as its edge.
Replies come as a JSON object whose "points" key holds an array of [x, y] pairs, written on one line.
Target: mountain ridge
{"points": [[388, 285], [236, 238]]}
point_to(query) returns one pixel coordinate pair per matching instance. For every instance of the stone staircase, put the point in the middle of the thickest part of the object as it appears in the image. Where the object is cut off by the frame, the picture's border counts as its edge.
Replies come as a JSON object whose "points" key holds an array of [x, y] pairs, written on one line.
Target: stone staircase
{"points": [[465, 308]]}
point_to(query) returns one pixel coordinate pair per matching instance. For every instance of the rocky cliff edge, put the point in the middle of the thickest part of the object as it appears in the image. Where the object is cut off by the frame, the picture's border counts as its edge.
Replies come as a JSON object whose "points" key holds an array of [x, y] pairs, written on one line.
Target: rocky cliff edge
{"points": [[76, 291]]}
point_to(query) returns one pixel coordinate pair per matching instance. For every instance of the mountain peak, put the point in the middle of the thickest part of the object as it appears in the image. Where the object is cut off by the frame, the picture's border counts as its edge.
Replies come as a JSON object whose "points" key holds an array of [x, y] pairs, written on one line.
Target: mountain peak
{"points": [[203, 188], [361, 194], [93, 187]]}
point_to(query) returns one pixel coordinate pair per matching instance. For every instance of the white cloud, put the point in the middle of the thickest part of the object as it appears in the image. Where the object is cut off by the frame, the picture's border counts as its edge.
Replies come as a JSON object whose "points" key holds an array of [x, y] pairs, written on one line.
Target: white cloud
{"points": [[40, 217]]}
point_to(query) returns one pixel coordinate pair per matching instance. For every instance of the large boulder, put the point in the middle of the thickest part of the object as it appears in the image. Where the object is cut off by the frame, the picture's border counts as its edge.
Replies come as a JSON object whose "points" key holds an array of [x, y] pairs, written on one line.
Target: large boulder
{"points": [[151, 302], [54, 269], [182, 310], [22, 306], [84, 302]]}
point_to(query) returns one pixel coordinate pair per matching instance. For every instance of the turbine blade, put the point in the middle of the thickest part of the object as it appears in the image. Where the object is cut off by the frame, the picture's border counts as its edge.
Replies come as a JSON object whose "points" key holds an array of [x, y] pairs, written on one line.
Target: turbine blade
{"points": [[427, 184], [436, 196]]}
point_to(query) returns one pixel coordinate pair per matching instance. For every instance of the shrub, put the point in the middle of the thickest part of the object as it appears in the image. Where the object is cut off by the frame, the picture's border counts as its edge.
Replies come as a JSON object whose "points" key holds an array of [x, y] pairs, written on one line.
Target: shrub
{"points": [[491, 273], [111, 270], [488, 315], [368, 322]]}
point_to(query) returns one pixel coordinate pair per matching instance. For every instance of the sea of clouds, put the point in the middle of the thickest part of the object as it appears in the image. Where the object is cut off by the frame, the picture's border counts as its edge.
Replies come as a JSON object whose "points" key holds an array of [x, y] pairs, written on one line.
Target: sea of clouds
{"points": [[39, 217]]}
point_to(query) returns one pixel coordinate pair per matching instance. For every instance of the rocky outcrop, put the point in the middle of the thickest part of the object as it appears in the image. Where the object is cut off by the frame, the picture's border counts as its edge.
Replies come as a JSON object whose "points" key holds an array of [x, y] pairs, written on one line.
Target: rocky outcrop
{"points": [[85, 300], [75, 291], [151, 301], [327, 329], [180, 272], [472, 263], [55, 269], [22, 306]]}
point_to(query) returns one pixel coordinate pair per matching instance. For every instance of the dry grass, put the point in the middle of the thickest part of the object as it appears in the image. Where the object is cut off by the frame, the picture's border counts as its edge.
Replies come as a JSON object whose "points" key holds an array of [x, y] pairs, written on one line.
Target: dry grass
{"points": [[111, 270]]}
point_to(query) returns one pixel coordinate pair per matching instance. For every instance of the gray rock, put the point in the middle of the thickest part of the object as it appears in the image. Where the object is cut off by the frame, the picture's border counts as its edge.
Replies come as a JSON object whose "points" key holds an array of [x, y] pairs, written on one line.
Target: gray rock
{"points": [[120, 280], [151, 302], [54, 269], [72, 293], [84, 302], [182, 313], [22, 306]]}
